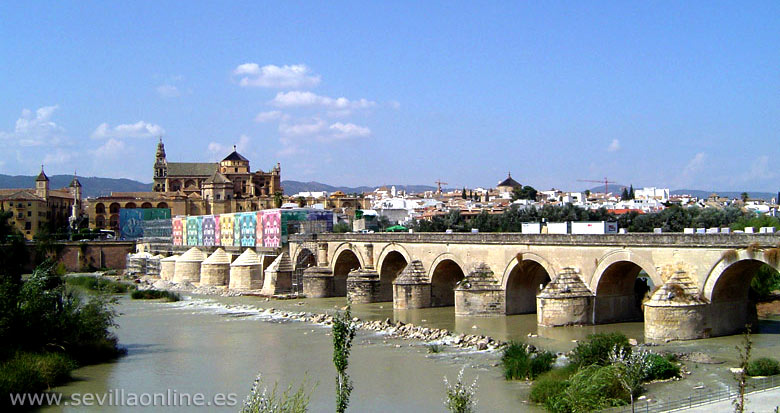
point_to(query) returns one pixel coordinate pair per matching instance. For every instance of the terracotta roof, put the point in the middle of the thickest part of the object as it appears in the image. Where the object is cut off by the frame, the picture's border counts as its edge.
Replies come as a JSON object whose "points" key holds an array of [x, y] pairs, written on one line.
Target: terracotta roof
{"points": [[191, 168], [20, 195]]}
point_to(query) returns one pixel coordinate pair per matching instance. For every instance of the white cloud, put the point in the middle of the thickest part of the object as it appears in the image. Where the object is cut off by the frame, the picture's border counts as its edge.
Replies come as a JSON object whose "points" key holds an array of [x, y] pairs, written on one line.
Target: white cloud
{"points": [[302, 99], [269, 116], [614, 146], [168, 91], [139, 129], [348, 130], [219, 151], [695, 164], [272, 76], [394, 104], [58, 156], [111, 149], [35, 129], [759, 169], [303, 129]]}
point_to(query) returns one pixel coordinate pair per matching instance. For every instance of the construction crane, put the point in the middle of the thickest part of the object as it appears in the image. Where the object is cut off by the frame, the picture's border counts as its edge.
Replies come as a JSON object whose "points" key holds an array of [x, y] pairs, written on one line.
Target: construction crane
{"points": [[439, 183], [606, 183]]}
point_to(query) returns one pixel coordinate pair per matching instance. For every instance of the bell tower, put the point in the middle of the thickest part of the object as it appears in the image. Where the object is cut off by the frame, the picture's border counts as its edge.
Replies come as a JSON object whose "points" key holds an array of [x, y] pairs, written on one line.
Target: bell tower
{"points": [[42, 185], [160, 168]]}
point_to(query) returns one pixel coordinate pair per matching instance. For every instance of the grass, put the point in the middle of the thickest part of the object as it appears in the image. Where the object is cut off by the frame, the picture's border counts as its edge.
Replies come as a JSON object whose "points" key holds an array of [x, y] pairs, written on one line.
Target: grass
{"points": [[434, 348], [598, 347], [155, 295], [98, 284], [33, 372]]}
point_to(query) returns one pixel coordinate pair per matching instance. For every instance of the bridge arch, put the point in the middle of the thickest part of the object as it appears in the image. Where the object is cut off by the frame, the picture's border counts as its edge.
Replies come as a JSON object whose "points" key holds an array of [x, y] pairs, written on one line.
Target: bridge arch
{"points": [[345, 259], [618, 289], [727, 287], [392, 260], [521, 282], [445, 273]]}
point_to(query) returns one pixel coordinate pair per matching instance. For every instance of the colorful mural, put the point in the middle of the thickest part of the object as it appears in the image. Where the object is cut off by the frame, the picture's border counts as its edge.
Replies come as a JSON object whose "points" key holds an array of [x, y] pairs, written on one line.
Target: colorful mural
{"points": [[267, 228], [177, 232], [208, 230]]}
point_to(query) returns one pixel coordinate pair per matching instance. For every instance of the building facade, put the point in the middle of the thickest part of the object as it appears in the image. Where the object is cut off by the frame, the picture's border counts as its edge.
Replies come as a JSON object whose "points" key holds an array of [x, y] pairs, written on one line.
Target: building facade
{"points": [[194, 188], [40, 208]]}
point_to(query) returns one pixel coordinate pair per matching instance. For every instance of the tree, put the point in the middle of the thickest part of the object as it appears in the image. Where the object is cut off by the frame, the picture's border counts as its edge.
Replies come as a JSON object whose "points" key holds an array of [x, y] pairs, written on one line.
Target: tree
{"points": [[463, 193], [624, 195], [383, 222], [524, 192], [632, 369], [744, 196], [741, 376], [343, 333], [587, 193], [278, 198], [631, 192], [301, 201]]}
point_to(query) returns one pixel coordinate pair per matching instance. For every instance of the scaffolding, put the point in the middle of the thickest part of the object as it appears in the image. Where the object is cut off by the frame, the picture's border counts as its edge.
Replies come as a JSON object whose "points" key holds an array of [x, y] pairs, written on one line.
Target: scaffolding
{"points": [[158, 231]]}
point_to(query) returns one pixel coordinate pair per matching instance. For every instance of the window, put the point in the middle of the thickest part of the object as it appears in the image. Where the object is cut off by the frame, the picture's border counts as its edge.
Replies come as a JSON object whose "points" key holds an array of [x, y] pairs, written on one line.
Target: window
{"points": [[236, 169], [29, 204], [29, 213], [28, 226], [218, 196]]}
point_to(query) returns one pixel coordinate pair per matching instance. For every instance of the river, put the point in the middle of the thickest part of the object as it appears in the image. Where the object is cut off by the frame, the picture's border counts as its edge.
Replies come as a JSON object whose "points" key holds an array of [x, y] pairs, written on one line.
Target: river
{"points": [[213, 345]]}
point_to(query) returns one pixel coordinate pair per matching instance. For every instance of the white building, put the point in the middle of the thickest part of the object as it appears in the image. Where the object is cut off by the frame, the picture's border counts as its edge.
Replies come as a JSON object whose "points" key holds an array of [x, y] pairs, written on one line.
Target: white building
{"points": [[652, 193]]}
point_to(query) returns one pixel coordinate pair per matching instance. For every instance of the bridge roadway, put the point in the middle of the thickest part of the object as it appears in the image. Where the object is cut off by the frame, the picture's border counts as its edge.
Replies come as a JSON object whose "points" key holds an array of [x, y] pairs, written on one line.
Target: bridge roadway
{"points": [[684, 286]]}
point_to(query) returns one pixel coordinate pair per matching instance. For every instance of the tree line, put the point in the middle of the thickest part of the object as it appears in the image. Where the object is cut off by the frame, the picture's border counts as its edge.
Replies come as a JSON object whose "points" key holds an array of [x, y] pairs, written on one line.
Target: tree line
{"points": [[672, 219]]}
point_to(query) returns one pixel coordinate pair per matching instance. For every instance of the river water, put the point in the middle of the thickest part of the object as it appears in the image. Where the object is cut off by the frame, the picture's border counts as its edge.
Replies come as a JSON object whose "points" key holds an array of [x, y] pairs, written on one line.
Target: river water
{"points": [[213, 345]]}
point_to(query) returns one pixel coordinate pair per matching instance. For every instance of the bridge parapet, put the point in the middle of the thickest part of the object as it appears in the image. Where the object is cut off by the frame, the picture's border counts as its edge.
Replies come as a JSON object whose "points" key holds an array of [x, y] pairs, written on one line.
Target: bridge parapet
{"points": [[732, 240]]}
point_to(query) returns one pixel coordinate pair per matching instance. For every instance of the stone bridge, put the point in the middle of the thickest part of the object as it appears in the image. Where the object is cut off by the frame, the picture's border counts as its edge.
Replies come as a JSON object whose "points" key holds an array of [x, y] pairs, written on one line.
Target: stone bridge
{"points": [[684, 286]]}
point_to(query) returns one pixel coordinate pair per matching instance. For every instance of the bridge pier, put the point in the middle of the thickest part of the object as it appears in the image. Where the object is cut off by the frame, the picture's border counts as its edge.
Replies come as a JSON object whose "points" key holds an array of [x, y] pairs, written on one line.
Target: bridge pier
{"points": [[565, 301], [677, 311], [318, 282], [480, 294], [411, 289], [363, 287]]}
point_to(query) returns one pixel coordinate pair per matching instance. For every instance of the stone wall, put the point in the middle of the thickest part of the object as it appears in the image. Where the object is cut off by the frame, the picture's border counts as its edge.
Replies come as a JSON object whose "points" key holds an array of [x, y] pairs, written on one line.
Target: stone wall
{"points": [[80, 256]]}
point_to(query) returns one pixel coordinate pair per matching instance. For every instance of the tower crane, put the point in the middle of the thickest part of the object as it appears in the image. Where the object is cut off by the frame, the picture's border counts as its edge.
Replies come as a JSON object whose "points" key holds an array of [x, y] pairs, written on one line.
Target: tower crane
{"points": [[439, 183], [606, 183]]}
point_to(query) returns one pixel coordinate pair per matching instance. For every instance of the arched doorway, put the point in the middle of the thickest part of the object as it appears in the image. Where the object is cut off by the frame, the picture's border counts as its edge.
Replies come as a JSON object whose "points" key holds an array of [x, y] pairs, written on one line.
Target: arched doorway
{"points": [[100, 208], [130, 205], [113, 208], [146, 205], [619, 293], [445, 276], [390, 268], [345, 262], [162, 205], [523, 284]]}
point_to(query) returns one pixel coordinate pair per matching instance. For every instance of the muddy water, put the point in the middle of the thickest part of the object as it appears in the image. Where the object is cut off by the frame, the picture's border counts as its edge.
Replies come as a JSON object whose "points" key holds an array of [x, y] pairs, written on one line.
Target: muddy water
{"points": [[218, 344]]}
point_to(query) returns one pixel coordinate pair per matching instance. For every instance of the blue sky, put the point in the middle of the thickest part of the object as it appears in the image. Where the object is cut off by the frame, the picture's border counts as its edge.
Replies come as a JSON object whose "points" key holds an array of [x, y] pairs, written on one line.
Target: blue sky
{"points": [[673, 94]]}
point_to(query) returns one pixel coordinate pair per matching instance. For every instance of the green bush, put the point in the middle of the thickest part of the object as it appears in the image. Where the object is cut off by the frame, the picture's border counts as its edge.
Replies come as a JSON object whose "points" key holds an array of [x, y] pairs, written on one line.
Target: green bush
{"points": [[598, 347], [516, 361], [763, 366], [591, 388], [546, 387], [154, 295], [660, 368], [541, 363], [520, 363], [34, 372]]}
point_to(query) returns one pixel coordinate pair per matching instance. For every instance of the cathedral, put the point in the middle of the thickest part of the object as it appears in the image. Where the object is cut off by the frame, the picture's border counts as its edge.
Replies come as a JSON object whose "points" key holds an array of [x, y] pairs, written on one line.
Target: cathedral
{"points": [[194, 188]]}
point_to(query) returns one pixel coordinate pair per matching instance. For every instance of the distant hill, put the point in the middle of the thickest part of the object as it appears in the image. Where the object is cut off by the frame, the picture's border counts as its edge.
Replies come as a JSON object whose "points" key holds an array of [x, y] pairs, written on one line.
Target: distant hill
{"points": [[730, 194], [91, 186], [294, 187]]}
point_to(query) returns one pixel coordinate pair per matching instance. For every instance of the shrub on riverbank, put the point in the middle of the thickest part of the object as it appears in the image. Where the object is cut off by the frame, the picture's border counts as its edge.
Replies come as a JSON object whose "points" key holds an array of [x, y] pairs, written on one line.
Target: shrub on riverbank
{"points": [[41, 317], [660, 368], [598, 348], [155, 295], [91, 283], [521, 363], [763, 366]]}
